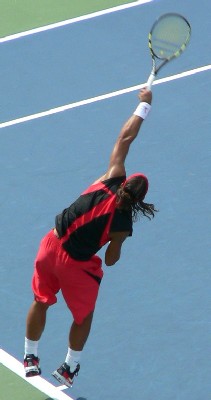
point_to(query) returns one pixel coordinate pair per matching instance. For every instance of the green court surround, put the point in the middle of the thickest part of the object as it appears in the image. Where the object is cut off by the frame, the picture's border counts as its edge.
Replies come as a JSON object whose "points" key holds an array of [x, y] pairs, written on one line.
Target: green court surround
{"points": [[13, 387], [22, 15]]}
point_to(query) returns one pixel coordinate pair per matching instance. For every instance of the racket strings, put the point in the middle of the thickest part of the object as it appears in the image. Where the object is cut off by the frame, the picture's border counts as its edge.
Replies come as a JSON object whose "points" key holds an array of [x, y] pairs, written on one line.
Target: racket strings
{"points": [[169, 36]]}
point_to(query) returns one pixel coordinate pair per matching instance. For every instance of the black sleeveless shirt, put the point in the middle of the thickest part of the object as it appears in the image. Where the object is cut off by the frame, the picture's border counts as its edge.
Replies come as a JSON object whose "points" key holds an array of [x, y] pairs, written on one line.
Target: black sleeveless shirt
{"points": [[84, 226]]}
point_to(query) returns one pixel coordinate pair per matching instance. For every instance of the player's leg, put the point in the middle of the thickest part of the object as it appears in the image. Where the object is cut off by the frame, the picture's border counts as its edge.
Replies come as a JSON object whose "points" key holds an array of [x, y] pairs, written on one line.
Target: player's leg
{"points": [[36, 319], [77, 338], [45, 285], [35, 325], [80, 291], [79, 333]]}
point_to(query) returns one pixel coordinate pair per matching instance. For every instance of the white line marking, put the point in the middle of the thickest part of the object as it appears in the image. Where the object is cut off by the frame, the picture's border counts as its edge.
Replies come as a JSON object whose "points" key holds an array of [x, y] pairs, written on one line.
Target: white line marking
{"points": [[41, 384], [102, 97], [62, 387], [73, 20]]}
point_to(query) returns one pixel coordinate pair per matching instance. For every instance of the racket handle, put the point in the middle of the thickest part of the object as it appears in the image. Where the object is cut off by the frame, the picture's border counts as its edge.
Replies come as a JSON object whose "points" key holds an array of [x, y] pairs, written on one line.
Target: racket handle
{"points": [[150, 80]]}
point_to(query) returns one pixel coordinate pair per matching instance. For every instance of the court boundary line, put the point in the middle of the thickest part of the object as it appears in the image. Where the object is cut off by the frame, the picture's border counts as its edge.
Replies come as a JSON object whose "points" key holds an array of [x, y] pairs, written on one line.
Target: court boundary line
{"points": [[73, 20], [39, 383], [76, 104]]}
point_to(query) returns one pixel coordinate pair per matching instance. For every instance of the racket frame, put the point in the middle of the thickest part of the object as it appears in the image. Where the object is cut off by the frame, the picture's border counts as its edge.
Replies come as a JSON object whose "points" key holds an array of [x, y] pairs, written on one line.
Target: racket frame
{"points": [[177, 53]]}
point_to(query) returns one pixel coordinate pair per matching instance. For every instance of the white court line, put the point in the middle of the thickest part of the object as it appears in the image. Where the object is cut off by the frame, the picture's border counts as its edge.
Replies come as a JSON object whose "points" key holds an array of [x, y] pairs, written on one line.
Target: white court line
{"points": [[73, 20], [101, 97], [39, 383]]}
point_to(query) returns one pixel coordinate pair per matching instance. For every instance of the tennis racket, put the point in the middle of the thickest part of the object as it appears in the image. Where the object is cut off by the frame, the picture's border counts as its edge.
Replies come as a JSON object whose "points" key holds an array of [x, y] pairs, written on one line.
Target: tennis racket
{"points": [[168, 38]]}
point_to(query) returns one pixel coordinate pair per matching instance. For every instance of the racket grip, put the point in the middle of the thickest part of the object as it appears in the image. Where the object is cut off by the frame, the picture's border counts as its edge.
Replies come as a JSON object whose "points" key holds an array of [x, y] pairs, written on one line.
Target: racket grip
{"points": [[150, 80]]}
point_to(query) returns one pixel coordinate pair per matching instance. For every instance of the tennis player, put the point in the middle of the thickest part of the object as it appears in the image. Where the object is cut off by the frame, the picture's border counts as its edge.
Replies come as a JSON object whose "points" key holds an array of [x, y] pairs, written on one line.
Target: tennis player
{"points": [[67, 260]]}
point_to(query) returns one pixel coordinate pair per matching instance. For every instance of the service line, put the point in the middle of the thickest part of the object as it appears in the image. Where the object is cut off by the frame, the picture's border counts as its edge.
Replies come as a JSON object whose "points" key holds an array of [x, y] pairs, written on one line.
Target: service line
{"points": [[102, 97]]}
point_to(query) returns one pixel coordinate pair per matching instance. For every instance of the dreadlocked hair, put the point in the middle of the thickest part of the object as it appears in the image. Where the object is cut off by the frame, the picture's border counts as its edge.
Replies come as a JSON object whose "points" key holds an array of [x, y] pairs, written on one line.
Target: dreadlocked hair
{"points": [[142, 209], [130, 197]]}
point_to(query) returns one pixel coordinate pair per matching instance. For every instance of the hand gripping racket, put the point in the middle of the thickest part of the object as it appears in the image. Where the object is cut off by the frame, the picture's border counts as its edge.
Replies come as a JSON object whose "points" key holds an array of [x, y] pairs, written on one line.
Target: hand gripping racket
{"points": [[168, 38]]}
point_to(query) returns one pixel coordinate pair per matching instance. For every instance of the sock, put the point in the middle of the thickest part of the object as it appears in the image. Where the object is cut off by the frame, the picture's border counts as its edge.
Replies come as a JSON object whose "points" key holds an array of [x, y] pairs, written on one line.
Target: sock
{"points": [[31, 347], [72, 359]]}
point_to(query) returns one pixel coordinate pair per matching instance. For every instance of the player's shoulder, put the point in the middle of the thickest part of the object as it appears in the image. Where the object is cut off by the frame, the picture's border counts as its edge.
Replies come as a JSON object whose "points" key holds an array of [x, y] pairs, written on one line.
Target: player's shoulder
{"points": [[110, 178]]}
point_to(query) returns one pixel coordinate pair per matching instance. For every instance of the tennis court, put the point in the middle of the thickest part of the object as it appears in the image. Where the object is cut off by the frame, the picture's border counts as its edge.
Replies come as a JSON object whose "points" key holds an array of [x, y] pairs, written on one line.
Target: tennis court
{"points": [[69, 79]]}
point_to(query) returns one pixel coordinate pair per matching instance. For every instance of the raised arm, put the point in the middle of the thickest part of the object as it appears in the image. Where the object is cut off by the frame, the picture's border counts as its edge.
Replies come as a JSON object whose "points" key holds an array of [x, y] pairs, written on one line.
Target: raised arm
{"points": [[127, 135]]}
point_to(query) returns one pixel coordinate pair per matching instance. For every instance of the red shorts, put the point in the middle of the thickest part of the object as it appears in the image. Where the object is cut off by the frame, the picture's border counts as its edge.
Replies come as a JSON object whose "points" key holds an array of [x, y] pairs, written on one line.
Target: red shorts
{"points": [[78, 280]]}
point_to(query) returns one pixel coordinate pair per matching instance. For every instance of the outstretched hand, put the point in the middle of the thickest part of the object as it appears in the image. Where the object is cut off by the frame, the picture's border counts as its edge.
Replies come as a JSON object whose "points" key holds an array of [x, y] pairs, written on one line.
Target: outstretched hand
{"points": [[145, 95]]}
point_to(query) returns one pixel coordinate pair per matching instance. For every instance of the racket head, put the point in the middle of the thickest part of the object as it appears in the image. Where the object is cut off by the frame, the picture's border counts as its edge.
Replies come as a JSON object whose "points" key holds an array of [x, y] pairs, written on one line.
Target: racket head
{"points": [[169, 36]]}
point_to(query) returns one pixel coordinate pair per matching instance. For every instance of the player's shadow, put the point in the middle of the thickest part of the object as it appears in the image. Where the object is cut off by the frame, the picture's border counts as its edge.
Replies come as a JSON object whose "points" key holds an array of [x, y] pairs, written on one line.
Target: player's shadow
{"points": [[81, 398]]}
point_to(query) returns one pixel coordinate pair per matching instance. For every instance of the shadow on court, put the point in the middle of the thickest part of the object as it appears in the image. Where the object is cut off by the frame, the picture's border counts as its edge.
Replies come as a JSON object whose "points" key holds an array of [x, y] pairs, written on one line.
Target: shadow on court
{"points": [[81, 398]]}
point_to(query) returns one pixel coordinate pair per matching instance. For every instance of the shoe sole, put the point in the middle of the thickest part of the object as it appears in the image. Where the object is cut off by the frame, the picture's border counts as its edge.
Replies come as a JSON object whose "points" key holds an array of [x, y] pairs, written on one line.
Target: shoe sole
{"points": [[61, 379], [32, 373]]}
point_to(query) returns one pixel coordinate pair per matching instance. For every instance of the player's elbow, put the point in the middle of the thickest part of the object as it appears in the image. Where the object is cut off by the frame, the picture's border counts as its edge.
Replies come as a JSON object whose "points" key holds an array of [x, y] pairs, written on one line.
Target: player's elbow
{"points": [[110, 263], [111, 260]]}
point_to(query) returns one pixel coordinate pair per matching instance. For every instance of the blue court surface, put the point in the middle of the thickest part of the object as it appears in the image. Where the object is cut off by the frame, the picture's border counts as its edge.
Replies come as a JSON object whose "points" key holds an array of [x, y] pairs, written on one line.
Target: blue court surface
{"points": [[150, 338]]}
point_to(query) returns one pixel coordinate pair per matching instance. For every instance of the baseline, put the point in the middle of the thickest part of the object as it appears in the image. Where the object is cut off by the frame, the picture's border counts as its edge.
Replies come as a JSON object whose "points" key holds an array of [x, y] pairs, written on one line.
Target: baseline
{"points": [[39, 383]]}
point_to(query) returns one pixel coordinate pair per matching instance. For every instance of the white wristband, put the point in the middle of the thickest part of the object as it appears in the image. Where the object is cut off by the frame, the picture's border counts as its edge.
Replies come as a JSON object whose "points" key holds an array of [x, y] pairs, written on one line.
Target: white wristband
{"points": [[142, 110]]}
